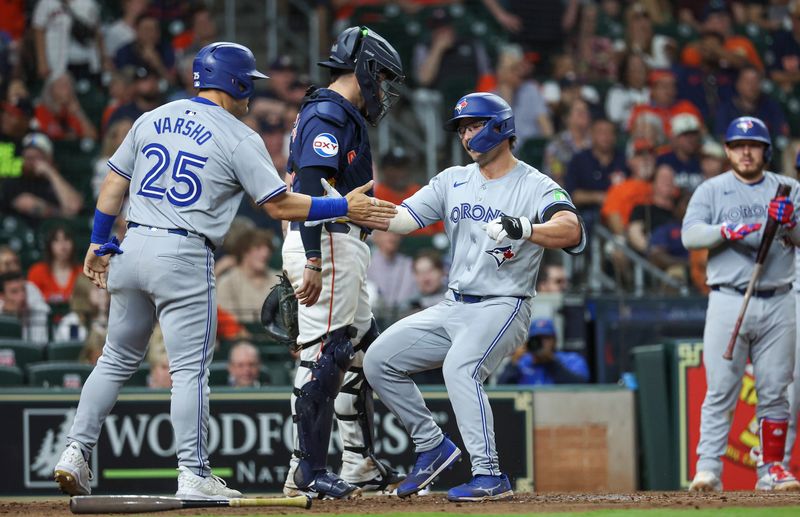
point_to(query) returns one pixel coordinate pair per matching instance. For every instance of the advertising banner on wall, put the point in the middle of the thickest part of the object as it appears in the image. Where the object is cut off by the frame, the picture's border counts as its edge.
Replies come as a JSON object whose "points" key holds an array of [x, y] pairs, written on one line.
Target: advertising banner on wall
{"points": [[738, 465], [250, 440]]}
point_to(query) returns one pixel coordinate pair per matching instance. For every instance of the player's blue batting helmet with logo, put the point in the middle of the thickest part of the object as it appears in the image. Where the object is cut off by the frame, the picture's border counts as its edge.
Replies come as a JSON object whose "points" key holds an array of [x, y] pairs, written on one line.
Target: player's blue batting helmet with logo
{"points": [[376, 64], [225, 66], [499, 119], [750, 128]]}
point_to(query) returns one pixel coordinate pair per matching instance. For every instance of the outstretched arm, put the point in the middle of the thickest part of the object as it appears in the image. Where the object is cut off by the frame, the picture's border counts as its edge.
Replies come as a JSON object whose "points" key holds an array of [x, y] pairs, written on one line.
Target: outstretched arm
{"points": [[359, 206]]}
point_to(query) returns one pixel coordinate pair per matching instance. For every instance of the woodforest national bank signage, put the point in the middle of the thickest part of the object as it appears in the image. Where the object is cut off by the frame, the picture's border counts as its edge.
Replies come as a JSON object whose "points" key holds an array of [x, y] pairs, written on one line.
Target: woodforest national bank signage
{"points": [[250, 440]]}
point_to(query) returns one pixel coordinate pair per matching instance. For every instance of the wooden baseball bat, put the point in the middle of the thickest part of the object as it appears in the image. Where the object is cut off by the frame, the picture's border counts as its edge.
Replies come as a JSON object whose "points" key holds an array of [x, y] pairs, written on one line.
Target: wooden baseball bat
{"points": [[766, 241], [146, 503]]}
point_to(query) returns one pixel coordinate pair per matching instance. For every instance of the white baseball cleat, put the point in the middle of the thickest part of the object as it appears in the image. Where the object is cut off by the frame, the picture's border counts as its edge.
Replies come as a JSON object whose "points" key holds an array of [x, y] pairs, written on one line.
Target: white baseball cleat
{"points": [[778, 479], [192, 486], [705, 481], [72, 473]]}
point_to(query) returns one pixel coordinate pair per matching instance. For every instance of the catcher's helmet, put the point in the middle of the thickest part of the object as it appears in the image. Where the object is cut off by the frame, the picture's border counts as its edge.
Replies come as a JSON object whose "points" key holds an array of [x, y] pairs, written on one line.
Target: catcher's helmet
{"points": [[750, 128], [376, 64], [499, 119], [229, 67]]}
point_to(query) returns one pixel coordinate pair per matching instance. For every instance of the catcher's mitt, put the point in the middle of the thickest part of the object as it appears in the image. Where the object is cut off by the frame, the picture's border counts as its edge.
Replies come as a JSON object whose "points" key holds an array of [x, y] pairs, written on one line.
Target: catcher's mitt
{"points": [[279, 313]]}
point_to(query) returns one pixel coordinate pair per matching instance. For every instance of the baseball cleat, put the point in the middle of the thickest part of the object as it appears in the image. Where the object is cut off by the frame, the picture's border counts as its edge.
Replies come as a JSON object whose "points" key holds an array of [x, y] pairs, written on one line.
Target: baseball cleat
{"points": [[482, 488], [327, 485], [381, 485], [705, 481], [72, 473], [778, 479], [429, 464], [192, 486]]}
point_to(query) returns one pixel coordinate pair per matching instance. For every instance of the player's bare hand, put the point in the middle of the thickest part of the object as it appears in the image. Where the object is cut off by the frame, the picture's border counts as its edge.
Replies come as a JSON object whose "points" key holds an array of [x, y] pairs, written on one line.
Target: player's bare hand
{"points": [[308, 293], [361, 208], [96, 268]]}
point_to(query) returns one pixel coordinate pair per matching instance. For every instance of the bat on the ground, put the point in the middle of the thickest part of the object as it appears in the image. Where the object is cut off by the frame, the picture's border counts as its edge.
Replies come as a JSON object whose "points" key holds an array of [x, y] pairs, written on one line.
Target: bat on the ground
{"points": [[145, 503], [766, 241]]}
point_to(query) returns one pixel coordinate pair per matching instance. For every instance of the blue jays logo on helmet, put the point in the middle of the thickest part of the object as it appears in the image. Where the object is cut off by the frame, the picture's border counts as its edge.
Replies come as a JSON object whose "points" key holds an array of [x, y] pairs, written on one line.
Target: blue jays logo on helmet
{"points": [[229, 67], [497, 113], [750, 128]]}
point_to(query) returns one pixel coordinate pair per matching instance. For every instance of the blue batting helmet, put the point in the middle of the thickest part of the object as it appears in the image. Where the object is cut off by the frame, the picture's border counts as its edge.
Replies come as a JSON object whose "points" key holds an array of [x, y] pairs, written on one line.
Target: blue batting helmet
{"points": [[750, 128], [229, 67], [377, 66], [499, 119], [542, 327]]}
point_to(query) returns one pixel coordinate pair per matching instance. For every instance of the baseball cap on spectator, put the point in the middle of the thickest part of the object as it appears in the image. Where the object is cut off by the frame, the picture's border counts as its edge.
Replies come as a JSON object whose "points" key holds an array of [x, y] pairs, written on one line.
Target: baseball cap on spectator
{"points": [[658, 74], [282, 63], [684, 123], [715, 7], [395, 157], [542, 327], [439, 18], [640, 146], [38, 141], [713, 149], [269, 126], [143, 72]]}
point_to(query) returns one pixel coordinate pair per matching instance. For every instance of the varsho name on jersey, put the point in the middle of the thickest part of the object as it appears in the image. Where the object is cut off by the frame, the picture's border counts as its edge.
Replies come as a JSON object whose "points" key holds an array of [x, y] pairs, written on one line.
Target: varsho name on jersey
{"points": [[181, 126]]}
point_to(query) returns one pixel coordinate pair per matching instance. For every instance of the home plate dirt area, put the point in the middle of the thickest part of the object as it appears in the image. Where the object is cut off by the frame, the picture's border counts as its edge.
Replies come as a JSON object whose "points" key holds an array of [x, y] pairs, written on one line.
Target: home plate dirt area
{"points": [[522, 503]]}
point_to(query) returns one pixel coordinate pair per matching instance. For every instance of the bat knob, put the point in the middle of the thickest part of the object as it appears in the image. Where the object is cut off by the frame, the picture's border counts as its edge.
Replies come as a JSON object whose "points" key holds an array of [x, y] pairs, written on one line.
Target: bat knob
{"points": [[308, 503]]}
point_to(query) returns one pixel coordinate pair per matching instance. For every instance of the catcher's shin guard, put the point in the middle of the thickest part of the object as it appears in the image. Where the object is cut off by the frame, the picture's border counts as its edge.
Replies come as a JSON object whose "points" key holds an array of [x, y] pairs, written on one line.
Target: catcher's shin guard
{"points": [[314, 404], [358, 430]]}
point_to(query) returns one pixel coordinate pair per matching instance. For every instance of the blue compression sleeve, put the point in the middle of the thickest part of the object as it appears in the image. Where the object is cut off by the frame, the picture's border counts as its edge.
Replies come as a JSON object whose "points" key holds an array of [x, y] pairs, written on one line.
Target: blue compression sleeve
{"points": [[101, 228], [327, 207]]}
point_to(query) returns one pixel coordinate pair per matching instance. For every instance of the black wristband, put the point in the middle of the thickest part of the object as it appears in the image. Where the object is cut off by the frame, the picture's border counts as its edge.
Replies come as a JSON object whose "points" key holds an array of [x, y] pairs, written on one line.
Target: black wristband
{"points": [[312, 267]]}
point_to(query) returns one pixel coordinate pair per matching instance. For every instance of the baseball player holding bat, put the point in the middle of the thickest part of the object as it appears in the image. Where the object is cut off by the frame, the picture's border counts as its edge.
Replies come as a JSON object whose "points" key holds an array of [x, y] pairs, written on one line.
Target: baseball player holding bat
{"points": [[186, 166], [725, 215], [499, 215], [327, 266]]}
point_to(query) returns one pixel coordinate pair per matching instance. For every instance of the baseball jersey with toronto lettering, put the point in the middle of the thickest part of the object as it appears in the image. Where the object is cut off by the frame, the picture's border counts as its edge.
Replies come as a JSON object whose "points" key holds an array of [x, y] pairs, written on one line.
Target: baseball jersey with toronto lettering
{"points": [[465, 200], [726, 199]]}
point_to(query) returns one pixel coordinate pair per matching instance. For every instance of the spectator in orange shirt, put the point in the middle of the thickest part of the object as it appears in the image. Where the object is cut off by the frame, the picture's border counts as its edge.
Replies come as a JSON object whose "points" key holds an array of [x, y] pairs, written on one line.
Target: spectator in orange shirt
{"points": [[59, 113], [228, 327], [735, 52], [663, 103], [635, 190], [55, 276], [394, 184]]}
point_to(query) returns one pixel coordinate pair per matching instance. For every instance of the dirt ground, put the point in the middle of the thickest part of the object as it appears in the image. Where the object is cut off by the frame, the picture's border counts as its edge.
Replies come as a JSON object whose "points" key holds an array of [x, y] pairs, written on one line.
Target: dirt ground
{"points": [[53, 507]]}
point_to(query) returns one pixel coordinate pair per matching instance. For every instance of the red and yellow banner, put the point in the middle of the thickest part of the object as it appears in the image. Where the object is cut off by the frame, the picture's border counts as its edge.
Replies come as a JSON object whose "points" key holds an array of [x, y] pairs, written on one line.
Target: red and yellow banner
{"points": [[738, 465]]}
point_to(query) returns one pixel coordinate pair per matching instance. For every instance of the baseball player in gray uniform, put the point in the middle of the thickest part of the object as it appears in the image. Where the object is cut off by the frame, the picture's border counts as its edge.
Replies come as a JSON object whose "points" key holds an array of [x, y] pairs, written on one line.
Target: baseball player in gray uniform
{"points": [[725, 215], [499, 214], [186, 165]]}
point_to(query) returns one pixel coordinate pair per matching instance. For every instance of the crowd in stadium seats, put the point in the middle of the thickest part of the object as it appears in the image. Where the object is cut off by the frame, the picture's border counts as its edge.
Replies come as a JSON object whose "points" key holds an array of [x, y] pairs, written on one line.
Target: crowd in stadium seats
{"points": [[622, 102]]}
